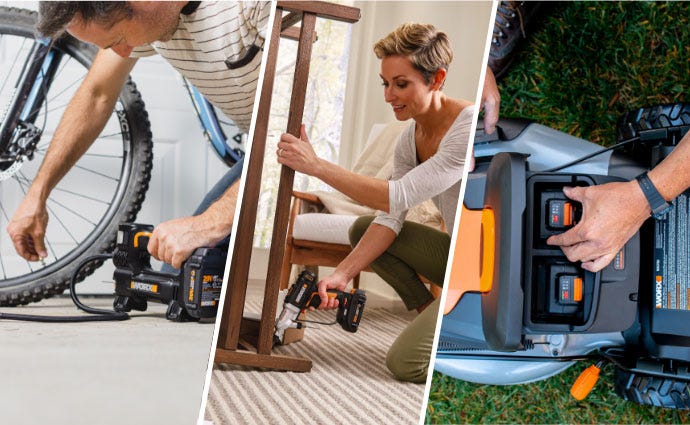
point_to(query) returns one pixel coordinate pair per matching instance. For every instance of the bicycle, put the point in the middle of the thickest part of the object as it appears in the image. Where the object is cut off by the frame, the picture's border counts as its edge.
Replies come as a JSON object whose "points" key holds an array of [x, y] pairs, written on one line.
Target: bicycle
{"points": [[111, 178]]}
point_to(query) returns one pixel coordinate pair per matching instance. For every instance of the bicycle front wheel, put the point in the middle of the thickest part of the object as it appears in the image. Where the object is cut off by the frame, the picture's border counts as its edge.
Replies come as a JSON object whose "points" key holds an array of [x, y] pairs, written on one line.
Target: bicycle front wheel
{"points": [[105, 187]]}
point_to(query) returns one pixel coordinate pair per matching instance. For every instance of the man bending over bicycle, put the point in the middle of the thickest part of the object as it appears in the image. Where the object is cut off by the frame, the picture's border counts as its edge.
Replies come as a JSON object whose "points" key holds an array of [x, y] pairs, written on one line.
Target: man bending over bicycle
{"points": [[215, 46]]}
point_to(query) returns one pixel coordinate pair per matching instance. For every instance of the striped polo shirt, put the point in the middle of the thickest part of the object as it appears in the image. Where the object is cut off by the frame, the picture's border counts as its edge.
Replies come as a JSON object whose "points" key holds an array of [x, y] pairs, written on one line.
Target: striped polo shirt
{"points": [[213, 48]]}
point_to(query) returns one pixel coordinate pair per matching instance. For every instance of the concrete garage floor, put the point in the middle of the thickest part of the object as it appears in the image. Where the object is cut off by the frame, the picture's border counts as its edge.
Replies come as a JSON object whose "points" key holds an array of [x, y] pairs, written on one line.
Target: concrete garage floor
{"points": [[146, 370]]}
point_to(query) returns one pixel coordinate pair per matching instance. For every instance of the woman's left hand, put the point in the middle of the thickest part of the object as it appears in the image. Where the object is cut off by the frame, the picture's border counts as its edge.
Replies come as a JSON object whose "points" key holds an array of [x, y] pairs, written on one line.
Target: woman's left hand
{"points": [[298, 154]]}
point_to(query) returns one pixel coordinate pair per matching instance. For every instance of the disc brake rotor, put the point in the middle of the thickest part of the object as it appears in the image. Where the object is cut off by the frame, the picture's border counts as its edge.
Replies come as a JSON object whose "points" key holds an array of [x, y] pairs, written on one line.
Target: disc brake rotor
{"points": [[9, 172]]}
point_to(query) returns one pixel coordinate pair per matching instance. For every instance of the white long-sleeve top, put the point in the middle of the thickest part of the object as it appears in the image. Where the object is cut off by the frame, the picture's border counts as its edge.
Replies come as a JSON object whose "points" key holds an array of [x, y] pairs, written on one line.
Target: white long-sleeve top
{"points": [[437, 178]]}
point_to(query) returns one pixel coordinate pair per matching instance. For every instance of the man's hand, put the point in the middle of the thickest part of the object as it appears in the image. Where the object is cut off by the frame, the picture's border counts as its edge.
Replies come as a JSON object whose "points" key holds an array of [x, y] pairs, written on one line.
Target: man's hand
{"points": [[611, 214], [174, 241], [491, 102], [335, 281], [27, 228]]}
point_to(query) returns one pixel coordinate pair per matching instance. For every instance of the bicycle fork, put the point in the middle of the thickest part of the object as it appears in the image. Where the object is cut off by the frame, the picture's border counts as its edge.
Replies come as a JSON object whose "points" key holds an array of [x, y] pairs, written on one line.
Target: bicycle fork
{"points": [[18, 134]]}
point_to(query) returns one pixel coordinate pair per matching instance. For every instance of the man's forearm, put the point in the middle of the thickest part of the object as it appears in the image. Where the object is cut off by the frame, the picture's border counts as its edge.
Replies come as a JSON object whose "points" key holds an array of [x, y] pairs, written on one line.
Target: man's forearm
{"points": [[220, 216], [72, 138], [82, 122], [672, 176]]}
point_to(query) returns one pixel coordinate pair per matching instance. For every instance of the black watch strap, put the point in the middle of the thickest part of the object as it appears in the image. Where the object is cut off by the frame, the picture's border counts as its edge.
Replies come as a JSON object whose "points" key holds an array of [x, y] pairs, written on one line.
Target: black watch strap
{"points": [[657, 203]]}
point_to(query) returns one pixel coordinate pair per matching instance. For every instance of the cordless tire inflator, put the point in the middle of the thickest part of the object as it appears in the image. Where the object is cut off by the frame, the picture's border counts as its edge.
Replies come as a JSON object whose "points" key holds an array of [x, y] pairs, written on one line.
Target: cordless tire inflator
{"points": [[191, 294], [304, 293]]}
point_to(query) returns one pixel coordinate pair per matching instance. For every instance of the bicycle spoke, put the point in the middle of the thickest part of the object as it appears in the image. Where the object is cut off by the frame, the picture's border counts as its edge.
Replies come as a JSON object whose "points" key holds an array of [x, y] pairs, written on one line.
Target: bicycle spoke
{"points": [[22, 180], [81, 167], [75, 82], [2, 264], [90, 198], [4, 213], [72, 211], [16, 60], [57, 108], [43, 151], [63, 65], [56, 202], [105, 136], [57, 217], [102, 155]]}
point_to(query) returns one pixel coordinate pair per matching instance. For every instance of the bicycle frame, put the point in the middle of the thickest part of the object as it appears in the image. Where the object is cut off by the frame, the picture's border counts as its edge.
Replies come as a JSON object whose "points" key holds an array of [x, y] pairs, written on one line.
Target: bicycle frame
{"points": [[208, 119], [36, 78]]}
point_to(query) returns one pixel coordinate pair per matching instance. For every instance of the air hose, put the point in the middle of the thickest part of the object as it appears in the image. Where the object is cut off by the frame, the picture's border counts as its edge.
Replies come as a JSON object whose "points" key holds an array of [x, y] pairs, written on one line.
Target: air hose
{"points": [[98, 315]]}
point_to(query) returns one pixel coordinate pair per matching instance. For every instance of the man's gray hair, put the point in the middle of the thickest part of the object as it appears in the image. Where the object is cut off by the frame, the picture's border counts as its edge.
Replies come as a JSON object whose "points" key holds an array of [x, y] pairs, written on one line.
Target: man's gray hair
{"points": [[55, 16]]}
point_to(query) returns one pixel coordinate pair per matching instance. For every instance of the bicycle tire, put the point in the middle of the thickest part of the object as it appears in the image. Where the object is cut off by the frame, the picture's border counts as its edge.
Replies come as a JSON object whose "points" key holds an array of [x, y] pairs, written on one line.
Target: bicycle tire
{"points": [[137, 157]]}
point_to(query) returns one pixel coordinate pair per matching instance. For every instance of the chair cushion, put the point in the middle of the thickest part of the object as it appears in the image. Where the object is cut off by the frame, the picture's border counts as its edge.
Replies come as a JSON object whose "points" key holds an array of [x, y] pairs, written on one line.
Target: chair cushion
{"points": [[329, 228]]}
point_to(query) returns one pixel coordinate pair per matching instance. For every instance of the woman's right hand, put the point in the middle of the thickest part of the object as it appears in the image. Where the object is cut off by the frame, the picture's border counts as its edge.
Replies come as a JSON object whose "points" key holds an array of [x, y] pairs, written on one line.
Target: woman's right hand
{"points": [[337, 281], [298, 154]]}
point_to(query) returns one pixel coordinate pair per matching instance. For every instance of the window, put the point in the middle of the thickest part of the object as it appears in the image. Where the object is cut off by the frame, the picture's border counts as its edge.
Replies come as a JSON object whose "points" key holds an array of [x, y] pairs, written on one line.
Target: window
{"points": [[323, 113]]}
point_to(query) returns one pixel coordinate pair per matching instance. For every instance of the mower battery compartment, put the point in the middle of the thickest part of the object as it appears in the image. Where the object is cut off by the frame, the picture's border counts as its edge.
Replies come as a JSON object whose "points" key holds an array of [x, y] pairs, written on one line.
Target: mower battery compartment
{"points": [[560, 296]]}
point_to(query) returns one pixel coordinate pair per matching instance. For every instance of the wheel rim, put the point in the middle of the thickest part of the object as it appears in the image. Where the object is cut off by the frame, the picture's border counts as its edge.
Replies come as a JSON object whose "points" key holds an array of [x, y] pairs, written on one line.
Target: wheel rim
{"points": [[83, 203]]}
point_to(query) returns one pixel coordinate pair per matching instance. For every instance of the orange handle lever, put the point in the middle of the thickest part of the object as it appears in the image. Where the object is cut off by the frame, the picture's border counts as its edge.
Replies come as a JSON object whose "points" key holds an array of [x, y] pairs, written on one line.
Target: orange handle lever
{"points": [[585, 382], [139, 235]]}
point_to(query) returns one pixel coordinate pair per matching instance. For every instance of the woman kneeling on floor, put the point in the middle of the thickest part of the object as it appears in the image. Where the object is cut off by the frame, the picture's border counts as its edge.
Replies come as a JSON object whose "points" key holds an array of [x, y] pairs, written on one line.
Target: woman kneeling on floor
{"points": [[428, 163]]}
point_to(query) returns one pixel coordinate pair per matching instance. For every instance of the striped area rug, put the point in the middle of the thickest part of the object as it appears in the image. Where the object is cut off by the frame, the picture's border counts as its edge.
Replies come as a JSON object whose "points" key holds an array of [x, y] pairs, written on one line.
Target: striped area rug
{"points": [[348, 384]]}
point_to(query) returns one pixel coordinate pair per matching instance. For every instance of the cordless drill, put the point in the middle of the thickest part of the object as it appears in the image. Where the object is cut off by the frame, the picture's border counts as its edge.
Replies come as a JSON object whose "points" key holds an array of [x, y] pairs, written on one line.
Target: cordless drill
{"points": [[191, 294], [304, 293]]}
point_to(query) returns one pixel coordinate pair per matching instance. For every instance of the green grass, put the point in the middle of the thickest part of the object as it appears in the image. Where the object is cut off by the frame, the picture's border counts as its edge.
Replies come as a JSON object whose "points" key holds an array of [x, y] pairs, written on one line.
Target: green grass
{"points": [[587, 63], [583, 66], [548, 401]]}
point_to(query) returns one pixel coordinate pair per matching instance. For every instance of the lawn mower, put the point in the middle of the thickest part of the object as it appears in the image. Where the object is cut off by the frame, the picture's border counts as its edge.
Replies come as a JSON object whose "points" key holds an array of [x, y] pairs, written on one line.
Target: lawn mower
{"points": [[518, 311]]}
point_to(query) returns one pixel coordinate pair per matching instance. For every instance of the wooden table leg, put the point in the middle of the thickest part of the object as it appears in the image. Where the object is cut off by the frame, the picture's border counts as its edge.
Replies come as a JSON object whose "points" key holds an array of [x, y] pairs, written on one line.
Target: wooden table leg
{"points": [[229, 332]]}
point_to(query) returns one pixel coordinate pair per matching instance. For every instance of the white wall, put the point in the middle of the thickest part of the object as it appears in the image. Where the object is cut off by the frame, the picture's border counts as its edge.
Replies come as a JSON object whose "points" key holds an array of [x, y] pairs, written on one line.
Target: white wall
{"points": [[467, 25]]}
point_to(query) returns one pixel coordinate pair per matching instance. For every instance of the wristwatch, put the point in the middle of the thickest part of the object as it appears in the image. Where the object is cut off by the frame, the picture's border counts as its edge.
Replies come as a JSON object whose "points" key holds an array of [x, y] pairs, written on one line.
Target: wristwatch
{"points": [[657, 203]]}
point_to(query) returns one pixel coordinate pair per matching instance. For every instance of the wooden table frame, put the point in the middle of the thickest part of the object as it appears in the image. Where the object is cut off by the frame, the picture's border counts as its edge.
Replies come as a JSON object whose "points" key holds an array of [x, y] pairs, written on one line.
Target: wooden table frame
{"points": [[240, 341]]}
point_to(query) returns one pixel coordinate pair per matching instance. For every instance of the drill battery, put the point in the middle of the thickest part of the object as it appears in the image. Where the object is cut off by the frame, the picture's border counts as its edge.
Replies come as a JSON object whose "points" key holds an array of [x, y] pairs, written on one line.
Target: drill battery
{"points": [[191, 294]]}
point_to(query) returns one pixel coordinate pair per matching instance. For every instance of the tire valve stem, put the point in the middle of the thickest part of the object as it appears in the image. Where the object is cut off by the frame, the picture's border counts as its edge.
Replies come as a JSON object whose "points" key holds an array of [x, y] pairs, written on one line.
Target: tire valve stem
{"points": [[585, 382], [42, 260]]}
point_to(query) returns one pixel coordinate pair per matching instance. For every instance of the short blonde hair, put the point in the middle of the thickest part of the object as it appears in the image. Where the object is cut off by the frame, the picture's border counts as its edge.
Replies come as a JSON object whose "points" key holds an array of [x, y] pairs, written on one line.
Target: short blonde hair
{"points": [[427, 48]]}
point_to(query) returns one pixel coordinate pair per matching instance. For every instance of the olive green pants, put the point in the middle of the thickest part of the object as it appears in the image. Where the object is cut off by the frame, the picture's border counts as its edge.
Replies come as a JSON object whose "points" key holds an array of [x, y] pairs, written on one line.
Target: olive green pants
{"points": [[418, 249]]}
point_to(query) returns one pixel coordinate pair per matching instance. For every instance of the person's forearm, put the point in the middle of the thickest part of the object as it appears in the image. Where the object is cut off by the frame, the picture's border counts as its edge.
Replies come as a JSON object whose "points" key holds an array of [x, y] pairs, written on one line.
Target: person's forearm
{"points": [[82, 122], [374, 242], [220, 215], [366, 190], [672, 176]]}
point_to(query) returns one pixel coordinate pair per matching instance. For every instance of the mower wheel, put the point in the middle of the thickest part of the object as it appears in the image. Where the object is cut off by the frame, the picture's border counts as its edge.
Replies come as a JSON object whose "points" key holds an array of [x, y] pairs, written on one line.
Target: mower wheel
{"points": [[658, 127], [652, 390]]}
